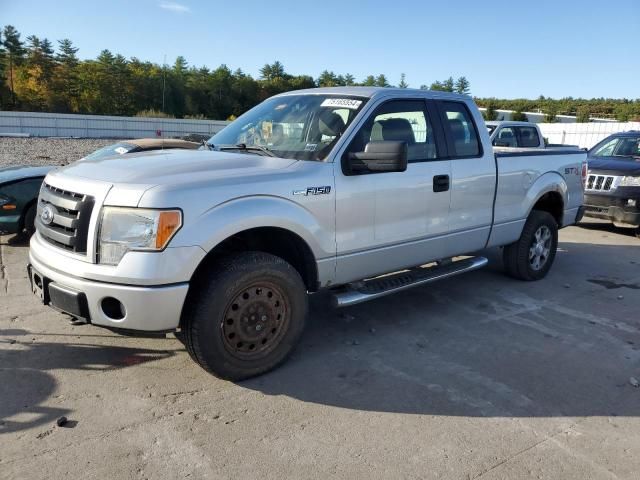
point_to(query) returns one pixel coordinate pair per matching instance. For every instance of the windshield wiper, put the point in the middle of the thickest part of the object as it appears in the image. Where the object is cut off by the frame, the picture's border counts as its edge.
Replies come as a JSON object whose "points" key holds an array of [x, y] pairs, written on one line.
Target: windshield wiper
{"points": [[244, 147]]}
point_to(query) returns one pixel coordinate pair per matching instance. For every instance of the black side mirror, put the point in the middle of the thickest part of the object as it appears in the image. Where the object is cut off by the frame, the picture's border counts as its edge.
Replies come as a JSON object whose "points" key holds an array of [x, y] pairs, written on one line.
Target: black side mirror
{"points": [[385, 156]]}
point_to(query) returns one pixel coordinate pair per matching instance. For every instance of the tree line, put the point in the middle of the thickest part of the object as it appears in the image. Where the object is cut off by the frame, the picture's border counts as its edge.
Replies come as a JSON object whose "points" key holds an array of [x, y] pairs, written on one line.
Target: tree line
{"points": [[36, 76]]}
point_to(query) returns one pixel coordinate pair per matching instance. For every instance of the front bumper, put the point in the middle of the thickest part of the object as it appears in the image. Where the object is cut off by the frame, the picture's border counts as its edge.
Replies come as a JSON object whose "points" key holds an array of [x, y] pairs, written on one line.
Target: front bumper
{"points": [[80, 288], [615, 209], [150, 309]]}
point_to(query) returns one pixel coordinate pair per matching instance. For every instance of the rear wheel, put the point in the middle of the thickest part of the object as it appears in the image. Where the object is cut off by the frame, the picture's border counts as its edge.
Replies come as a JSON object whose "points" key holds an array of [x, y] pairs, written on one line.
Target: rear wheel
{"points": [[246, 316], [531, 257]]}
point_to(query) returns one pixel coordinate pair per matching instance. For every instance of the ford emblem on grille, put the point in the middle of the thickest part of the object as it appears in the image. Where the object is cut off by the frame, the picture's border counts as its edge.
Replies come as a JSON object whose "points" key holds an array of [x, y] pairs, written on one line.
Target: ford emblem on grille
{"points": [[46, 216]]}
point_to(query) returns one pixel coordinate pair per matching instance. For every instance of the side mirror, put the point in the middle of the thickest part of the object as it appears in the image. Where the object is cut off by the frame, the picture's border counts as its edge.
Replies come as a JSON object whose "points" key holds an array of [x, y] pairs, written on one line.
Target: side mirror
{"points": [[385, 156]]}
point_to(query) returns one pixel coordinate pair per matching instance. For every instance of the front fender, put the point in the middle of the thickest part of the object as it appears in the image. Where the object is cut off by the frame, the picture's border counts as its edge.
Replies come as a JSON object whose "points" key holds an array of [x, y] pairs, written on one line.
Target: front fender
{"points": [[233, 216]]}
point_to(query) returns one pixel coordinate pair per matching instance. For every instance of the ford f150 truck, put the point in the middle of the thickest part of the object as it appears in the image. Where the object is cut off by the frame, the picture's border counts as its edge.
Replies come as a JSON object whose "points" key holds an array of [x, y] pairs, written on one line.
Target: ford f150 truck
{"points": [[331, 188]]}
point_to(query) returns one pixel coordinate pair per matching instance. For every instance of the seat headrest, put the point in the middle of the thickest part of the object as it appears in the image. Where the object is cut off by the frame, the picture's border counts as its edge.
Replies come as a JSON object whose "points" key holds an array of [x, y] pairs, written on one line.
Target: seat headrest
{"points": [[330, 123], [397, 129]]}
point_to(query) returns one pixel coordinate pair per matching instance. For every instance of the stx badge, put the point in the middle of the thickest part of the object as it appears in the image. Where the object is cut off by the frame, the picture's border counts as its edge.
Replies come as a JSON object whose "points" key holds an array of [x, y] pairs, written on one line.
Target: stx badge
{"points": [[313, 191]]}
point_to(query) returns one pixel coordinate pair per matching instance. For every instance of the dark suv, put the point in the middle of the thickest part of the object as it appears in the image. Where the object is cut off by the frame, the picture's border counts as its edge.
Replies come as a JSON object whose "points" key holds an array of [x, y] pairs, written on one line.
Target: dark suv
{"points": [[613, 184]]}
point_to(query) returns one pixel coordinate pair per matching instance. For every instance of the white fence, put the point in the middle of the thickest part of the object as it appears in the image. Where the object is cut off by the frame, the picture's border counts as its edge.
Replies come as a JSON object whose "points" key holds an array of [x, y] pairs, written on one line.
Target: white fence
{"points": [[585, 135], [98, 126]]}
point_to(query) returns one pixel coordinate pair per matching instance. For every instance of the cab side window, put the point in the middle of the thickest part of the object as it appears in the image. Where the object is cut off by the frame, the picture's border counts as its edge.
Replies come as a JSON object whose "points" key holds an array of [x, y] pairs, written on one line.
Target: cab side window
{"points": [[528, 137], [399, 120], [506, 138], [462, 132]]}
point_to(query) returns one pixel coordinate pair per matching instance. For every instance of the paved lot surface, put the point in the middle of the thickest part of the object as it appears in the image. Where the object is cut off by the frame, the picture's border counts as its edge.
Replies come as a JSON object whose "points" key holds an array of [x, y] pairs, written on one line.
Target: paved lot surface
{"points": [[479, 376]]}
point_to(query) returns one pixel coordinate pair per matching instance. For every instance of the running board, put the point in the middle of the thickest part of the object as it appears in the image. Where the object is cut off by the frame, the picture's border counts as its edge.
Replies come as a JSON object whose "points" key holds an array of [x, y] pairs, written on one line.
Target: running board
{"points": [[381, 286]]}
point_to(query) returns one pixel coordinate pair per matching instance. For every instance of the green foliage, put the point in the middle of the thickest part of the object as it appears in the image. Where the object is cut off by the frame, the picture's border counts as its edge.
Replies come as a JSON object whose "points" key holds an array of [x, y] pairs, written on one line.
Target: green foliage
{"points": [[518, 116], [462, 85], [403, 82], [445, 86], [490, 114], [151, 113], [551, 116], [583, 115]]}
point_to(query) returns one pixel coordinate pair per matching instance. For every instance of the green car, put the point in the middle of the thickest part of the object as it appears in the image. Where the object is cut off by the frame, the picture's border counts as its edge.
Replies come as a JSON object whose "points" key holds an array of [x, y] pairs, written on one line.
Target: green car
{"points": [[19, 188]]}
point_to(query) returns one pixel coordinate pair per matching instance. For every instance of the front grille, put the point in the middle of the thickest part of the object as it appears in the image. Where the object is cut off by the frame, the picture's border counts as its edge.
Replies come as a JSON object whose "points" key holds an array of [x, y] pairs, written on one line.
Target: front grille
{"points": [[602, 183], [69, 215]]}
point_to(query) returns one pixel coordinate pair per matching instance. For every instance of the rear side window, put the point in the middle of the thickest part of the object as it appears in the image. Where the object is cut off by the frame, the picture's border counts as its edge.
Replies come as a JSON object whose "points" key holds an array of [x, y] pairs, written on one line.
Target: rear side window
{"points": [[462, 132], [527, 137]]}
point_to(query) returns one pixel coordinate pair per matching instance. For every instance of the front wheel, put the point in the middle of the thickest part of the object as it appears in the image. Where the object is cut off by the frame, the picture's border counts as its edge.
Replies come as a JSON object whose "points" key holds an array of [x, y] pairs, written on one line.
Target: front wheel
{"points": [[531, 257], [246, 315], [28, 223]]}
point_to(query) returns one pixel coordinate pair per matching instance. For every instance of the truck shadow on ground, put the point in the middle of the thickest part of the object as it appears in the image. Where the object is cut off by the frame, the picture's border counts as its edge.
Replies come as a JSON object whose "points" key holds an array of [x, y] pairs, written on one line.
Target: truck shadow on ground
{"points": [[601, 226], [26, 381], [479, 345]]}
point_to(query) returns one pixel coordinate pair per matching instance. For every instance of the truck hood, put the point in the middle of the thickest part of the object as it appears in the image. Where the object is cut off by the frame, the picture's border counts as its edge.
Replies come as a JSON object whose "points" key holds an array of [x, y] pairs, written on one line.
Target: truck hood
{"points": [[170, 167], [614, 166]]}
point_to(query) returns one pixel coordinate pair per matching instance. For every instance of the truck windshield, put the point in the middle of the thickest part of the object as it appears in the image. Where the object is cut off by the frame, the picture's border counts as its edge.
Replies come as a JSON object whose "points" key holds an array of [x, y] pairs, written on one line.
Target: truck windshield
{"points": [[302, 127]]}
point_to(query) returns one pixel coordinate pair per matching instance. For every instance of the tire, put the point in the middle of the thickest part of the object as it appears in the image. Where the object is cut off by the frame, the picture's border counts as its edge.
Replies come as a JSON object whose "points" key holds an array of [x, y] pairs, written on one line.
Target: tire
{"points": [[531, 257], [245, 316], [28, 224]]}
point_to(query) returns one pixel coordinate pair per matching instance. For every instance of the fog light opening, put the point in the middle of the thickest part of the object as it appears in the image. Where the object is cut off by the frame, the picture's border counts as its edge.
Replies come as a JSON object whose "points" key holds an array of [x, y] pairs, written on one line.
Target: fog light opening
{"points": [[112, 308]]}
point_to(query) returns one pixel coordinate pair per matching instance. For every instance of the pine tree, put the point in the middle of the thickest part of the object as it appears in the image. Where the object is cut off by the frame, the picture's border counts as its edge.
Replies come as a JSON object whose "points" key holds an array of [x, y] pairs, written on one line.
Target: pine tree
{"points": [[462, 85], [15, 55], [403, 83]]}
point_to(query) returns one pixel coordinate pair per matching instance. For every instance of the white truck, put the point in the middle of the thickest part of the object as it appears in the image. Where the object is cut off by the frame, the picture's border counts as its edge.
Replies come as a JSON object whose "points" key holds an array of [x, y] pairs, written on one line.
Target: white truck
{"points": [[330, 188], [512, 134]]}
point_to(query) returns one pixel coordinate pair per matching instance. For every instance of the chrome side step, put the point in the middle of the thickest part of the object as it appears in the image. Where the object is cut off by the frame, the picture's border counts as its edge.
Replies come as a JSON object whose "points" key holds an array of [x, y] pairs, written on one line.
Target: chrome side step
{"points": [[381, 286]]}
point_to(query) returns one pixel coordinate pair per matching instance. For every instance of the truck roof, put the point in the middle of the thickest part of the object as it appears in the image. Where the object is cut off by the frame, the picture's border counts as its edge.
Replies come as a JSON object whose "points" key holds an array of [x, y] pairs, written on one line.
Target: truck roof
{"points": [[515, 123], [372, 92]]}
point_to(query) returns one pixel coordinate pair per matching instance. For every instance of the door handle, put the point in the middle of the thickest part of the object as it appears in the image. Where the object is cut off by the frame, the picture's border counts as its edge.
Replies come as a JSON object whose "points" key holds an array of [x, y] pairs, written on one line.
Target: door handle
{"points": [[441, 183]]}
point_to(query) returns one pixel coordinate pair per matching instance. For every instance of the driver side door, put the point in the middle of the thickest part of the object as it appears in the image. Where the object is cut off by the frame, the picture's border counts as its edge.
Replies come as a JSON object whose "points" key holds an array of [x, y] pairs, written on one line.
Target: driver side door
{"points": [[392, 220]]}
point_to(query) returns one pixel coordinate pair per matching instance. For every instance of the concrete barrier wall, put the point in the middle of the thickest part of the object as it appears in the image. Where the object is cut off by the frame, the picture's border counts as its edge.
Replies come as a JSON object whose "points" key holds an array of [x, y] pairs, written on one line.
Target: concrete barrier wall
{"points": [[585, 135], [98, 126]]}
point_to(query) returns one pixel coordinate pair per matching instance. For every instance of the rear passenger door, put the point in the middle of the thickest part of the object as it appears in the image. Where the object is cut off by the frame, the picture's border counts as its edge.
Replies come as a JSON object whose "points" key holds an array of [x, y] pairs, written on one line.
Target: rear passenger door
{"points": [[392, 220], [473, 178]]}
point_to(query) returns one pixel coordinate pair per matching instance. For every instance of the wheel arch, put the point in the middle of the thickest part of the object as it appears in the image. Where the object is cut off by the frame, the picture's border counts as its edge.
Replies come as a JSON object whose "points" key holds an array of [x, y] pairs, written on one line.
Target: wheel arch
{"points": [[549, 194], [277, 241]]}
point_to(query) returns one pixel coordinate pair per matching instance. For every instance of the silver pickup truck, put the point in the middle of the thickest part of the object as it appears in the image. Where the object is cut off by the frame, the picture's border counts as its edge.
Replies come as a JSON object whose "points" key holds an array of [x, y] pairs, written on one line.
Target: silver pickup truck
{"points": [[332, 188]]}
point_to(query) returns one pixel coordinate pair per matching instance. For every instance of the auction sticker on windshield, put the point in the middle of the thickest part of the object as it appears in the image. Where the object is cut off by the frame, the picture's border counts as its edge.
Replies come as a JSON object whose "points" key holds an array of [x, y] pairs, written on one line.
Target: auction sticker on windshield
{"points": [[342, 102]]}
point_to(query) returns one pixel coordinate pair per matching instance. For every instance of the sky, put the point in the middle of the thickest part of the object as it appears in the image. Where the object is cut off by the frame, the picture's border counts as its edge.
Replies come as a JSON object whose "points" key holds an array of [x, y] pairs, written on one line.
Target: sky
{"points": [[506, 49]]}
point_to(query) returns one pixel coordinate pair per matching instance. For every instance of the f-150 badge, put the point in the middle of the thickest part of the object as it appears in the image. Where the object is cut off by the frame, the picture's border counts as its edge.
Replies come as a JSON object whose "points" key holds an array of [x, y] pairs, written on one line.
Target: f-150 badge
{"points": [[313, 191]]}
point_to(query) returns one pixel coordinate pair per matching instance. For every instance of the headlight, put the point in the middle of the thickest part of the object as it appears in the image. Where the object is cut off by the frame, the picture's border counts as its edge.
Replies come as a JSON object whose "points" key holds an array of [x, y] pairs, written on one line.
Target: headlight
{"points": [[630, 182], [127, 229]]}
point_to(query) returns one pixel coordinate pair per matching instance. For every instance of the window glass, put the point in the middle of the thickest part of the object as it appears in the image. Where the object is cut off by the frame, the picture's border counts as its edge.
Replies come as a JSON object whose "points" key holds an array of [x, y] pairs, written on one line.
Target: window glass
{"points": [[461, 130], [528, 137], [506, 138], [627, 147], [111, 151], [402, 120], [302, 127]]}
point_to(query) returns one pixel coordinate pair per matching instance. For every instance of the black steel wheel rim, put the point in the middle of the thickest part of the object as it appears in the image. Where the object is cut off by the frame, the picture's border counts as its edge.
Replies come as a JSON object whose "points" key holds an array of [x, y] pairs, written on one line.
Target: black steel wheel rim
{"points": [[255, 320]]}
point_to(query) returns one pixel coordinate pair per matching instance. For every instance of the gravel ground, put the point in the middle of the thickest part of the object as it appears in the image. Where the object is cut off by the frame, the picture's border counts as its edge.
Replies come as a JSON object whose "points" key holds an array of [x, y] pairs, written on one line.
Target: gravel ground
{"points": [[47, 151]]}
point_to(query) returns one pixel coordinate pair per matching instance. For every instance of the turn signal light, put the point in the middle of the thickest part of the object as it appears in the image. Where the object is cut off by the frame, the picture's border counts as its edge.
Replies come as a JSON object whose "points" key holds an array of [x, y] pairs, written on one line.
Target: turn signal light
{"points": [[168, 223]]}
